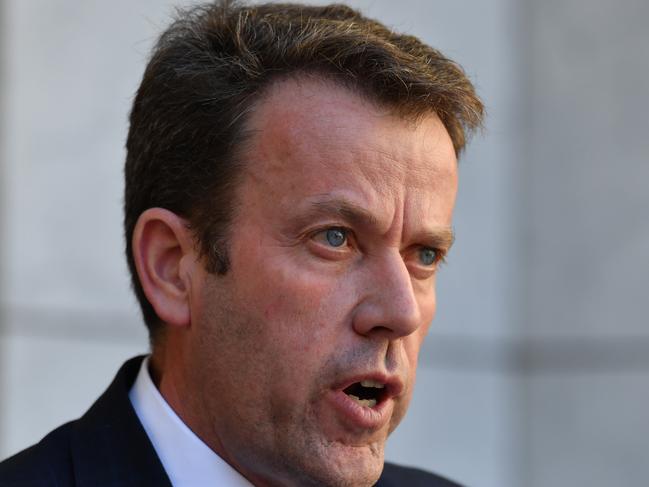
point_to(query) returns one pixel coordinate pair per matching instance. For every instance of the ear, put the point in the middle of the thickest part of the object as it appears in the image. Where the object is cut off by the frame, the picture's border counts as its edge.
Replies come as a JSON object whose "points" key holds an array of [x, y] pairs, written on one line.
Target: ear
{"points": [[164, 254]]}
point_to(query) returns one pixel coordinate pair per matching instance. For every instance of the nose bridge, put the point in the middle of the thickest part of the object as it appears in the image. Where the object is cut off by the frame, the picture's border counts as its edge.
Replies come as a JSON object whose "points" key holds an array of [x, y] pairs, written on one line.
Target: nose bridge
{"points": [[391, 305]]}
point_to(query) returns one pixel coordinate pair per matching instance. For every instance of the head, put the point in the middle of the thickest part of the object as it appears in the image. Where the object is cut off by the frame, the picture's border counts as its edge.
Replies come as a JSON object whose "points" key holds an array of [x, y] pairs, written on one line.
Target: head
{"points": [[290, 181]]}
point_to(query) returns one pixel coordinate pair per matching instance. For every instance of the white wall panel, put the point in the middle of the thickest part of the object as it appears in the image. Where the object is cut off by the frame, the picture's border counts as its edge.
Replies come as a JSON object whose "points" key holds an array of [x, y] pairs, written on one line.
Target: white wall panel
{"points": [[49, 380]]}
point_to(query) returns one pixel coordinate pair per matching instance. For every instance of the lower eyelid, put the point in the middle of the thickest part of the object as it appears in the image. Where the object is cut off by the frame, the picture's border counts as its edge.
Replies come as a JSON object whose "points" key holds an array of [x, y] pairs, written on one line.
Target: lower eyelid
{"points": [[422, 273]]}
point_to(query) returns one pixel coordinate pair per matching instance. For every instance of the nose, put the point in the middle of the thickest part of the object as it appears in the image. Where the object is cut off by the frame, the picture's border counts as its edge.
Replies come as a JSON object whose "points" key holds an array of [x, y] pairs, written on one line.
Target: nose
{"points": [[389, 306]]}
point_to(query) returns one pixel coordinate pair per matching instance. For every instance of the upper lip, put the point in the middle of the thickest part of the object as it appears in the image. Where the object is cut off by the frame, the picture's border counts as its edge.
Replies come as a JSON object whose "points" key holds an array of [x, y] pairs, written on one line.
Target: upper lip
{"points": [[393, 384]]}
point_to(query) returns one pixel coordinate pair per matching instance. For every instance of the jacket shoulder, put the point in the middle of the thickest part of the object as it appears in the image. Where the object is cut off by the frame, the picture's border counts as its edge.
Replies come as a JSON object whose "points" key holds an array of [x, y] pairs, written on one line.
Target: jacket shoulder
{"points": [[46, 463], [107, 446], [397, 475]]}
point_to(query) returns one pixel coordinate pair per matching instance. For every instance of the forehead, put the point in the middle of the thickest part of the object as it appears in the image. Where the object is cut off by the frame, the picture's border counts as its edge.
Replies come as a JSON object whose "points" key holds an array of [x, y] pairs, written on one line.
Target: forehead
{"points": [[313, 138], [304, 122]]}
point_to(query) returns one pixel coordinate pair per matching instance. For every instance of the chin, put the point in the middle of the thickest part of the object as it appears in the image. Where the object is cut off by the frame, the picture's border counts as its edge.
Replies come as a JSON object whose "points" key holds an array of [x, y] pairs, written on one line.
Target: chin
{"points": [[343, 466]]}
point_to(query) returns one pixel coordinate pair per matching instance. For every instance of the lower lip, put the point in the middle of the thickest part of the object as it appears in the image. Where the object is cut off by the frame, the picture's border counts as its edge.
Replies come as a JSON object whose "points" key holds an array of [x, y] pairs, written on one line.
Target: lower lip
{"points": [[358, 416]]}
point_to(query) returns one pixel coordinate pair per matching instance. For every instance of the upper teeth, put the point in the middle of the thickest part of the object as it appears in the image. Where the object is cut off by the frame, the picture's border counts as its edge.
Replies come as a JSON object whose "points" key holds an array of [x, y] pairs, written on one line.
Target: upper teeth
{"points": [[372, 383]]}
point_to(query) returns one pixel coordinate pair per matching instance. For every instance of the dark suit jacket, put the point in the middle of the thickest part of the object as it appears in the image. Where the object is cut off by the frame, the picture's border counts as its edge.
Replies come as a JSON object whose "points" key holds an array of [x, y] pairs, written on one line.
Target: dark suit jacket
{"points": [[107, 447]]}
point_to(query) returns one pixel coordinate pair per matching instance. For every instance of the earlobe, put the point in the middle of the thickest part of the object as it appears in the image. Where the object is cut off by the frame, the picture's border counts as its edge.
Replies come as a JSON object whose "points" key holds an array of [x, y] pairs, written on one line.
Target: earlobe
{"points": [[162, 244]]}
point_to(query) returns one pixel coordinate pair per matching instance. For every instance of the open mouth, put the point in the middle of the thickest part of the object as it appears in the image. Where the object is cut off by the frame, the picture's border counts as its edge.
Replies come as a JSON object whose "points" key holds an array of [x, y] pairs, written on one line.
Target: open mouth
{"points": [[367, 393]]}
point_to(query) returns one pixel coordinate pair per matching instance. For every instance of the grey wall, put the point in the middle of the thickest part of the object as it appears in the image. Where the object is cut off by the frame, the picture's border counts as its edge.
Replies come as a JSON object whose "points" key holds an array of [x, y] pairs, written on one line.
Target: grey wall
{"points": [[587, 243], [535, 371], [70, 71]]}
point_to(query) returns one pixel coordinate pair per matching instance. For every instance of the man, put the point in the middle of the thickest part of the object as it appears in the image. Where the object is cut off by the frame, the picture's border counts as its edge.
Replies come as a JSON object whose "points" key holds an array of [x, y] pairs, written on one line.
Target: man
{"points": [[290, 182]]}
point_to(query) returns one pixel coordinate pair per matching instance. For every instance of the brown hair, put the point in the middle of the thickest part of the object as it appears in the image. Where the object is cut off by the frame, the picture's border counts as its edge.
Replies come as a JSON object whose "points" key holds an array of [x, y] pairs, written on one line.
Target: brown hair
{"points": [[211, 65]]}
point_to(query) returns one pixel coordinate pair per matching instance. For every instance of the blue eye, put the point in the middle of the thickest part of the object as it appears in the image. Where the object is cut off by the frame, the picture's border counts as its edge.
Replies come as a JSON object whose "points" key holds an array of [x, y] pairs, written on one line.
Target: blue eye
{"points": [[336, 237], [427, 256]]}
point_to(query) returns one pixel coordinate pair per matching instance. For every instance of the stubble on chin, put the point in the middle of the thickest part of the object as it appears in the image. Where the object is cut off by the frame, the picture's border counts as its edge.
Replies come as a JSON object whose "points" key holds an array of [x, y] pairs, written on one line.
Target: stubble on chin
{"points": [[333, 465], [309, 459]]}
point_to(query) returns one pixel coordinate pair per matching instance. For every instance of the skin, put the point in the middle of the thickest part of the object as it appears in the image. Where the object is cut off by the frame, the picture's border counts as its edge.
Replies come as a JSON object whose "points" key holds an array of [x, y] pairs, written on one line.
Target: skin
{"points": [[253, 361]]}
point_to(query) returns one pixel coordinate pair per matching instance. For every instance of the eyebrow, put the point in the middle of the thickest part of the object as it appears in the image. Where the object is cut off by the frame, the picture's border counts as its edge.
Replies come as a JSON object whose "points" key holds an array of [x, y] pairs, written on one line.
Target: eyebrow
{"points": [[354, 214], [438, 237]]}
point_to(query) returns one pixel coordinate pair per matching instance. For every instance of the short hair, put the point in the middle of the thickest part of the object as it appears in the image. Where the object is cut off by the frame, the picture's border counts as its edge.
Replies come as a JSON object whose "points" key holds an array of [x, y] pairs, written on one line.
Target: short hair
{"points": [[211, 65]]}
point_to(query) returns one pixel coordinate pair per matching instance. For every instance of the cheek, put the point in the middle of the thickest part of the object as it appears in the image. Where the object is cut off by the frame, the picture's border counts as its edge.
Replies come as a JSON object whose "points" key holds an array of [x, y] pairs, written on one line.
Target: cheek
{"points": [[298, 308], [427, 300], [303, 320]]}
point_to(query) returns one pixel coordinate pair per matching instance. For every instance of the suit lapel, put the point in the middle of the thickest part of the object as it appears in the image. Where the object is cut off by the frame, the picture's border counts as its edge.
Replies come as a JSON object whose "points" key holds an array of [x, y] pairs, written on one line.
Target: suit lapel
{"points": [[109, 446]]}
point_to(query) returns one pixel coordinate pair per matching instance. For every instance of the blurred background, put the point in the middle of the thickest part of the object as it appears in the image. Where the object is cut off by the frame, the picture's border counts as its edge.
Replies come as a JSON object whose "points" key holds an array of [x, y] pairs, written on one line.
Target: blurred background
{"points": [[536, 371]]}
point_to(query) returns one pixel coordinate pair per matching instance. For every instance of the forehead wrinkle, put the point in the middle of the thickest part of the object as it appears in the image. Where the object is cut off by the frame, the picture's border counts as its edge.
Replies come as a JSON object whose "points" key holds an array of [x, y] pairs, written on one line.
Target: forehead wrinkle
{"points": [[410, 169]]}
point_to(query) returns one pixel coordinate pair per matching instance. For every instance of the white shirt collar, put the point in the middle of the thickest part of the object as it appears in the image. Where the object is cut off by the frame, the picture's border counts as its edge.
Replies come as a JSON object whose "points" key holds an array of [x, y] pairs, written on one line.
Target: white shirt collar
{"points": [[186, 459]]}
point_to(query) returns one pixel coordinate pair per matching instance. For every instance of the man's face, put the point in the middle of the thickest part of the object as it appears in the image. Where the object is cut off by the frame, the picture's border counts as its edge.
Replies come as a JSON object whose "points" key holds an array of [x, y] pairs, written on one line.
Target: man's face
{"points": [[341, 216]]}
